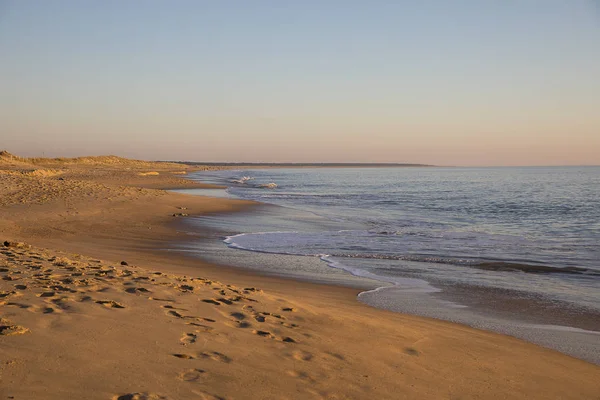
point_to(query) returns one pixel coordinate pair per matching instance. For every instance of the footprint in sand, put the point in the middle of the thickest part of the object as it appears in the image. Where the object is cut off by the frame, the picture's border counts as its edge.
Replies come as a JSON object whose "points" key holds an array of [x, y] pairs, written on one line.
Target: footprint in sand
{"points": [[175, 314], [238, 315], [269, 335], [188, 338], [19, 305], [272, 315], [60, 288], [208, 396], [241, 324], [110, 304], [8, 329], [184, 356], [302, 355], [211, 301], [336, 355], [304, 376], [170, 307], [216, 356], [136, 290], [238, 320], [191, 375], [159, 299], [178, 315], [185, 288], [263, 334], [140, 396], [201, 328]]}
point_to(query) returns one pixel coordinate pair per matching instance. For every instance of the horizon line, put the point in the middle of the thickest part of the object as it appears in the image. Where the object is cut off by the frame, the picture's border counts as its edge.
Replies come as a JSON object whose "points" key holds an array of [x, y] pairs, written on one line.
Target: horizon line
{"points": [[254, 163]]}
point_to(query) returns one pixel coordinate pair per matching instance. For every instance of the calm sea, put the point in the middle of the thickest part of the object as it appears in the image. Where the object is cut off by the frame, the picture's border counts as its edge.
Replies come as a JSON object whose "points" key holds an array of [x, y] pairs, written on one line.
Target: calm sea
{"points": [[513, 243]]}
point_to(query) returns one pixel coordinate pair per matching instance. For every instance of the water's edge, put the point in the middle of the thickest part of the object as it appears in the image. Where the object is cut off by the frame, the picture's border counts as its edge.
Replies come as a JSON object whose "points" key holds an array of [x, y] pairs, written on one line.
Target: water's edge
{"points": [[420, 298]]}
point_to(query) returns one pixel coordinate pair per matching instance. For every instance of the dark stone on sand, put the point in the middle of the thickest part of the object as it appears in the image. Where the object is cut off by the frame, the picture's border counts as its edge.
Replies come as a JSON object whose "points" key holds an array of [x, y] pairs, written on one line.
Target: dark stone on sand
{"points": [[124, 263], [18, 245], [411, 351]]}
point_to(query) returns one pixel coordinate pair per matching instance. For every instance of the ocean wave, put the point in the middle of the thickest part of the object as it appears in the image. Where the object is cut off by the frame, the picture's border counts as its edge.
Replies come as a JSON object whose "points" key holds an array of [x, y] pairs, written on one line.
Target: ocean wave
{"points": [[242, 180], [533, 269], [487, 265], [230, 241], [407, 284], [505, 266], [271, 185]]}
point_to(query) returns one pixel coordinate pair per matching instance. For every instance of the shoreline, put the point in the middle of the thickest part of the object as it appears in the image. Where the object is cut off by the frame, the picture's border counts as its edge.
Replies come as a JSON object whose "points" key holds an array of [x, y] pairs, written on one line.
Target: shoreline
{"points": [[565, 337], [293, 339]]}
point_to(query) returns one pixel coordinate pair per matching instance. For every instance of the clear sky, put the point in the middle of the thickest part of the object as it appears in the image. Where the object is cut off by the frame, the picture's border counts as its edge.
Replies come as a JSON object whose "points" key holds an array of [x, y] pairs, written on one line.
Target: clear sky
{"points": [[479, 82]]}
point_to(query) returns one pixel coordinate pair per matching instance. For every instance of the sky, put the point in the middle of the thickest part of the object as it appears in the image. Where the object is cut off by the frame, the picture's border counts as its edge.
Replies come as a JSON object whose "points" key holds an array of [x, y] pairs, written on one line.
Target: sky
{"points": [[462, 82]]}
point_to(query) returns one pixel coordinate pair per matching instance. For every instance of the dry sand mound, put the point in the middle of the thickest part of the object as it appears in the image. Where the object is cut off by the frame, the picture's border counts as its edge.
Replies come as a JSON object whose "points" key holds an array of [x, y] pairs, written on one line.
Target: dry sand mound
{"points": [[10, 161], [45, 173], [109, 161]]}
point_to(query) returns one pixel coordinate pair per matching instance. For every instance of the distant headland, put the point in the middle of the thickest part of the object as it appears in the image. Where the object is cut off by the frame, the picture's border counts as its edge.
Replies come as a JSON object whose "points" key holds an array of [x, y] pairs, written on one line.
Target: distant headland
{"points": [[295, 165]]}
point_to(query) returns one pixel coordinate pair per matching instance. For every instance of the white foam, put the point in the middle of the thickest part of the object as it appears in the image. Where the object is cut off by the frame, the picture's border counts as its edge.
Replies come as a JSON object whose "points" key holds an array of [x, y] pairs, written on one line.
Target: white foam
{"points": [[242, 180], [230, 241], [271, 185], [405, 284]]}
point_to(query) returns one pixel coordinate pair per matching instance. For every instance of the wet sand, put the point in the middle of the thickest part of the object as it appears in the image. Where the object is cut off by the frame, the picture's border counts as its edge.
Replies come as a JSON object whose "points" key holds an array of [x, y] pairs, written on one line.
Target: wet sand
{"points": [[93, 307]]}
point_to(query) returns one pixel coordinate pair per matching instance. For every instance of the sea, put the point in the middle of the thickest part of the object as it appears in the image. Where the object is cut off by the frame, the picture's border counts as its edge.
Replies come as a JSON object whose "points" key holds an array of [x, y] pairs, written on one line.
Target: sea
{"points": [[514, 250]]}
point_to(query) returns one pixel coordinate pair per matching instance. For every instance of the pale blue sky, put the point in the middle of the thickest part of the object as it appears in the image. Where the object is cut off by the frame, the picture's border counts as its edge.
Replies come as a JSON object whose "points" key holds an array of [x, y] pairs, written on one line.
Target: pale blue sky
{"points": [[503, 82]]}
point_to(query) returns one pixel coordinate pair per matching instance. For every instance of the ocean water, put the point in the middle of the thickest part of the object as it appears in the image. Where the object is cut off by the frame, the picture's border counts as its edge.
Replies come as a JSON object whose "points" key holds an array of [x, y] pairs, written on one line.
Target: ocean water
{"points": [[472, 245]]}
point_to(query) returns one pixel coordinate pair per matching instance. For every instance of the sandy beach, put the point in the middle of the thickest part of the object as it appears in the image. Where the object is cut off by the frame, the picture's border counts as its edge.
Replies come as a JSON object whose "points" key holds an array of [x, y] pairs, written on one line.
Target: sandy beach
{"points": [[92, 307]]}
